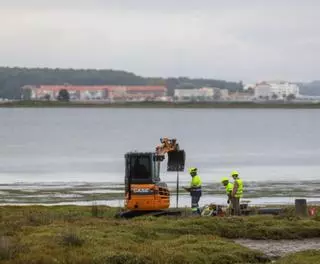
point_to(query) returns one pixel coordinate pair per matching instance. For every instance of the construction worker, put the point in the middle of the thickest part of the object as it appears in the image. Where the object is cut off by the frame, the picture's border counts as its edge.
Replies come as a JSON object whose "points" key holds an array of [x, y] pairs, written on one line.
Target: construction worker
{"points": [[229, 187], [195, 190], [237, 193]]}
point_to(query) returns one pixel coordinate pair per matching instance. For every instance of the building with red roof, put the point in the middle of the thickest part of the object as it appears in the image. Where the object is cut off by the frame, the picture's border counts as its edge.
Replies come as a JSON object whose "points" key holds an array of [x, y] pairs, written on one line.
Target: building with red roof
{"points": [[97, 92]]}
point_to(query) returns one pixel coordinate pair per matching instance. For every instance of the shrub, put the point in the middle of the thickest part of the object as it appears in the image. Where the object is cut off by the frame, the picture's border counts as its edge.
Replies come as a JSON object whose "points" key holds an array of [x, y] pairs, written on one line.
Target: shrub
{"points": [[9, 248], [71, 239]]}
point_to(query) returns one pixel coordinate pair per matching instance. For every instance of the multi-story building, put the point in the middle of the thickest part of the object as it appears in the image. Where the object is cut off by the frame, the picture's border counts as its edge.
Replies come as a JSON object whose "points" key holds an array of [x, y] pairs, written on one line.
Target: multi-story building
{"points": [[240, 97], [276, 90], [201, 94], [220, 94], [101, 92], [188, 94], [193, 94]]}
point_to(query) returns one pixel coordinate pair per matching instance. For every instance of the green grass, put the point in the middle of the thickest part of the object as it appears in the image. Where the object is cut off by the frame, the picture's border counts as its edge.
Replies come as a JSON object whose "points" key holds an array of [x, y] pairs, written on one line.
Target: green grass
{"points": [[306, 257], [75, 234], [161, 105]]}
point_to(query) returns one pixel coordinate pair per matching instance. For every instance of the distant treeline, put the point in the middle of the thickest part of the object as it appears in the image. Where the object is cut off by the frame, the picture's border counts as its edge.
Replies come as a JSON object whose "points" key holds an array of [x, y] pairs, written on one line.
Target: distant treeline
{"points": [[312, 88], [12, 79]]}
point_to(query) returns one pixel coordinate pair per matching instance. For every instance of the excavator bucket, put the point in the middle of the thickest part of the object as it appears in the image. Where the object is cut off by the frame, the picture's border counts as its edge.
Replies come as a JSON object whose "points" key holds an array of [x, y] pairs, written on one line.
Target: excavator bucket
{"points": [[176, 160]]}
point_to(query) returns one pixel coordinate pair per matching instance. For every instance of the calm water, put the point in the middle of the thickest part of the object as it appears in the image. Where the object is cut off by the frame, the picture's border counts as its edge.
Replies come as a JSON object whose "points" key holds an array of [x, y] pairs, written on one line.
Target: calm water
{"points": [[88, 145]]}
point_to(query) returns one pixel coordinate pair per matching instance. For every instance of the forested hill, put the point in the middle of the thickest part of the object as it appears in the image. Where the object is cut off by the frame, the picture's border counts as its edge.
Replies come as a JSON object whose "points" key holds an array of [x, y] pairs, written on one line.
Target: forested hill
{"points": [[11, 79], [312, 88]]}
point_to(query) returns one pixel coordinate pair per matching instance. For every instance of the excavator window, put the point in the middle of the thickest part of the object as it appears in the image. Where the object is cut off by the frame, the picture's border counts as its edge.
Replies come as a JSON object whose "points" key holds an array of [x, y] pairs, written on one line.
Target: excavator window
{"points": [[140, 167]]}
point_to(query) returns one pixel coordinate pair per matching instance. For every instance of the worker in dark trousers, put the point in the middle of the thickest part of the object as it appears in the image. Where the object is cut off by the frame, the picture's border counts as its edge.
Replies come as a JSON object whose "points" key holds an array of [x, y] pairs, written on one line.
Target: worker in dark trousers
{"points": [[237, 193], [195, 191], [229, 188]]}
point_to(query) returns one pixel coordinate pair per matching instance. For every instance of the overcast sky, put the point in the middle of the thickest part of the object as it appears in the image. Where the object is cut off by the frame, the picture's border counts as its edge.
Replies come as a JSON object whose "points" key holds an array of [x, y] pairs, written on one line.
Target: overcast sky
{"points": [[247, 40]]}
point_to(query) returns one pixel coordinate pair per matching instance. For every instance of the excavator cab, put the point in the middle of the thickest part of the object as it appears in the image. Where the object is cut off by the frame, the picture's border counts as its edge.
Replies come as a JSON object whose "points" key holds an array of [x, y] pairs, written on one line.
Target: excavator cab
{"points": [[144, 190], [141, 168]]}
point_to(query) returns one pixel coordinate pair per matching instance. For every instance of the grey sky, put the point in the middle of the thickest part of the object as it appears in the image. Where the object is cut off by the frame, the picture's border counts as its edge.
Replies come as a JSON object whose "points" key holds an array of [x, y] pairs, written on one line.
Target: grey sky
{"points": [[248, 40]]}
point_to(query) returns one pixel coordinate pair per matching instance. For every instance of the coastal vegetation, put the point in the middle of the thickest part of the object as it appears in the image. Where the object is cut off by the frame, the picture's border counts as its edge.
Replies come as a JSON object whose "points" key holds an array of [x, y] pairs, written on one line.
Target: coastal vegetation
{"points": [[76, 234]]}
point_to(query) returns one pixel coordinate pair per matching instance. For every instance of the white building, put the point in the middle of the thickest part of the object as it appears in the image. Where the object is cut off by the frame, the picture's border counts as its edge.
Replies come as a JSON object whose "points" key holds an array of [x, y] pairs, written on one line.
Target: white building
{"points": [[190, 94], [223, 94], [202, 94], [276, 90], [249, 85]]}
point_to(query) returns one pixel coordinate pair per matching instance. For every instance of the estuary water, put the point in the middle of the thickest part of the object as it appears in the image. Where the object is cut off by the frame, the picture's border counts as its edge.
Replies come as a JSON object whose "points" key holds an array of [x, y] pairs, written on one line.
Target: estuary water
{"points": [[67, 155]]}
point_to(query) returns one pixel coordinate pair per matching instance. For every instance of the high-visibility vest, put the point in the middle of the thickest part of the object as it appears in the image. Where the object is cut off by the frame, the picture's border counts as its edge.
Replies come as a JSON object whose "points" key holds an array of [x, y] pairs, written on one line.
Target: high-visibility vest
{"points": [[239, 192], [229, 188], [196, 182]]}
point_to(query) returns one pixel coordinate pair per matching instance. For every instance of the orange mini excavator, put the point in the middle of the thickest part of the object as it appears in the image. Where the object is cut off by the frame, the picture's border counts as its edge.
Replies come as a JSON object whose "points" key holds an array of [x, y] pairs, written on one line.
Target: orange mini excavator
{"points": [[144, 191]]}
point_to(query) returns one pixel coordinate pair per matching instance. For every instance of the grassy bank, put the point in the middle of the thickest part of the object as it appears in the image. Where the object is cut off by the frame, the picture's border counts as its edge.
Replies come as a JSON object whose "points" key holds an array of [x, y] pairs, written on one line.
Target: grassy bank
{"points": [[306, 257], [249, 105], [71, 234]]}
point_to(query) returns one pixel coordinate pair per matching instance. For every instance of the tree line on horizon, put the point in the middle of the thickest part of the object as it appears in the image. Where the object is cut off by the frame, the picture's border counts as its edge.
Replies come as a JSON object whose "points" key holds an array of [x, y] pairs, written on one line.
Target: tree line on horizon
{"points": [[311, 88], [12, 79]]}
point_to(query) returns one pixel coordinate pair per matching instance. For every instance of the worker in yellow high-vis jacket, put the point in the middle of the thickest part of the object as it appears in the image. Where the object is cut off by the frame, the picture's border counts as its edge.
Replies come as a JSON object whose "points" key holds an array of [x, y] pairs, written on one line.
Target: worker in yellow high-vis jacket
{"points": [[229, 187], [237, 193], [195, 190]]}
